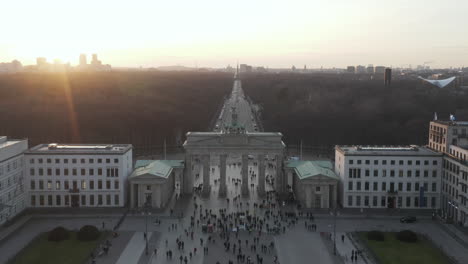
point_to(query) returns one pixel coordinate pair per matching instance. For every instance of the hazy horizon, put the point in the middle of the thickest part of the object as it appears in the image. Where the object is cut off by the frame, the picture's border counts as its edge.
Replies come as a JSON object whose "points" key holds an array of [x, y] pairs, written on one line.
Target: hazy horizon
{"points": [[277, 34]]}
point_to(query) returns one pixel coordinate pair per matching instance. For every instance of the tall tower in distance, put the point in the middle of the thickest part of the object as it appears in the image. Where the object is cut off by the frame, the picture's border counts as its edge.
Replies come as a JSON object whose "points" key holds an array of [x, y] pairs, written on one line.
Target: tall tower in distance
{"points": [[83, 59], [388, 76], [95, 60]]}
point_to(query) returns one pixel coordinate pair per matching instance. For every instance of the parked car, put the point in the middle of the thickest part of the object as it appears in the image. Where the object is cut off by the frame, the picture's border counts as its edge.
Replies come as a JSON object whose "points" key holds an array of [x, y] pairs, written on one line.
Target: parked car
{"points": [[408, 219]]}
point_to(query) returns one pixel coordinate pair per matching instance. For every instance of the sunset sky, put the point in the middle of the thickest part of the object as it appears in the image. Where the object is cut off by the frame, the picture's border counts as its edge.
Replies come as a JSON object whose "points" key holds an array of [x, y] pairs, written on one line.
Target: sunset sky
{"points": [[217, 33]]}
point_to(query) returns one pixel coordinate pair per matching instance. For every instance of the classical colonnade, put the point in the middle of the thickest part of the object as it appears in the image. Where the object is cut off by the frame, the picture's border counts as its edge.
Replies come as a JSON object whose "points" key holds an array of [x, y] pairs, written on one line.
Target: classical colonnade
{"points": [[188, 178]]}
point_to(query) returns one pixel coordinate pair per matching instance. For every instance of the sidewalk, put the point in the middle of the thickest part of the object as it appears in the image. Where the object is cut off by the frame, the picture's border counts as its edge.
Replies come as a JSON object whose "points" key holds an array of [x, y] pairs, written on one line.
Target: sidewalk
{"points": [[368, 213], [134, 249], [455, 232], [7, 231], [345, 248], [118, 245]]}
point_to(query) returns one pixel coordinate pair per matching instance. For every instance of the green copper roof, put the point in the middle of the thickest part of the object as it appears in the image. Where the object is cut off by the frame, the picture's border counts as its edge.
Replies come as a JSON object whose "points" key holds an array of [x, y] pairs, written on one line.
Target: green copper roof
{"points": [[307, 169], [158, 168]]}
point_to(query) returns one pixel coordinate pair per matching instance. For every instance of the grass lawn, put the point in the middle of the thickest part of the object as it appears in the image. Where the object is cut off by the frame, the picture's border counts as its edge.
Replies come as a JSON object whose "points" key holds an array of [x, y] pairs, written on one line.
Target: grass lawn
{"points": [[393, 251], [70, 251]]}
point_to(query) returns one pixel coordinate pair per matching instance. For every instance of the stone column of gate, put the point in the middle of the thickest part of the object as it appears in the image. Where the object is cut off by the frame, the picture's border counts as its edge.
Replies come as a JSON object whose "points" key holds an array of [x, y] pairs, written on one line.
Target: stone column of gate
{"points": [[261, 175], [187, 181], [245, 175], [280, 181], [222, 175], [206, 174]]}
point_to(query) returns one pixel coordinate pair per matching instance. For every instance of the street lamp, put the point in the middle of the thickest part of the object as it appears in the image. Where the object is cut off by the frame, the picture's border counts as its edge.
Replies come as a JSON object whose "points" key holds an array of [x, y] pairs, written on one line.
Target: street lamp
{"points": [[334, 233], [334, 229], [147, 213], [453, 210]]}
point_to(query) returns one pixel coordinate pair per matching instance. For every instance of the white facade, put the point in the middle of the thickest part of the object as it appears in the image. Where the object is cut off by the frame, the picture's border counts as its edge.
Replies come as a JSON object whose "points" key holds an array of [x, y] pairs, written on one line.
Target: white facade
{"points": [[388, 177], [454, 185], [12, 189], [78, 175]]}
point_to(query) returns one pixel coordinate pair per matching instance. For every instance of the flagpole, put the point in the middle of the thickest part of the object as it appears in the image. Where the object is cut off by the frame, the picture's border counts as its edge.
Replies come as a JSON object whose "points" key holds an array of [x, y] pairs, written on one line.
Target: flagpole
{"points": [[301, 149]]}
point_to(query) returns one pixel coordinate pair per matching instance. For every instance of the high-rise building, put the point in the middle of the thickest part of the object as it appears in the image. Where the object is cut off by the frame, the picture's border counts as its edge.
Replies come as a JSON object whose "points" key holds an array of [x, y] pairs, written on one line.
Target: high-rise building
{"points": [[360, 69], [370, 69], [83, 60], [388, 76], [41, 61], [12, 189], [245, 68], [380, 70], [351, 69], [95, 61]]}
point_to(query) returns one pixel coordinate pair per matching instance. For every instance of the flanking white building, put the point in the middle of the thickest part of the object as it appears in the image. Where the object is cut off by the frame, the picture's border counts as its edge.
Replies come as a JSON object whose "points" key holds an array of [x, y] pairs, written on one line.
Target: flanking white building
{"points": [[12, 189], [83, 175], [455, 184], [406, 177]]}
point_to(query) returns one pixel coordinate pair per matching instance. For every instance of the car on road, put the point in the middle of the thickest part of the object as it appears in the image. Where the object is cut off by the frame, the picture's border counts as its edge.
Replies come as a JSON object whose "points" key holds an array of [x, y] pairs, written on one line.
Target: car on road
{"points": [[408, 219]]}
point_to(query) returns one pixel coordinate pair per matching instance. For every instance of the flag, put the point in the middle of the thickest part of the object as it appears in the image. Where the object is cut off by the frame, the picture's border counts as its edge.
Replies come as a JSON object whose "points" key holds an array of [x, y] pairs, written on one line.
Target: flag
{"points": [[452, 117]]}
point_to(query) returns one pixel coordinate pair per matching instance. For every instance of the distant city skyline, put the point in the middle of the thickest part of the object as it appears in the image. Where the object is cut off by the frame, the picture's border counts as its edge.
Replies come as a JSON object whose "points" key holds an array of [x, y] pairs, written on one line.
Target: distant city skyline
{"points": [[276, 34]]}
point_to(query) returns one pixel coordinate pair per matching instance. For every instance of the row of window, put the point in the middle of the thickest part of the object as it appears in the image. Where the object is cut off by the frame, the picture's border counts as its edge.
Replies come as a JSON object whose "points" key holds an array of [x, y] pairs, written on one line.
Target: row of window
{"points": [[10, 195], [450, 190], [390, 202], [73, 185], [458, 154], [11, 165], [75, 200], [438, 129], [451, 167], [391, 186], [450, 178], [392, 162], [9, 181], [74, 161], [356, 173], [110, 172], [437, 147]]}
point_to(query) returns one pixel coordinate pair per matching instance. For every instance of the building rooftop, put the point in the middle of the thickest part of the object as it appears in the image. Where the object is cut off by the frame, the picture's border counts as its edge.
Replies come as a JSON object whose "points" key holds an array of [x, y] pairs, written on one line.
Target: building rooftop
{"points": [[451, 123], [439, 83], [80, 149], [11, 147], [256, 134], [4, 142], [156, 168], [308, 169], [411, 150]]}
